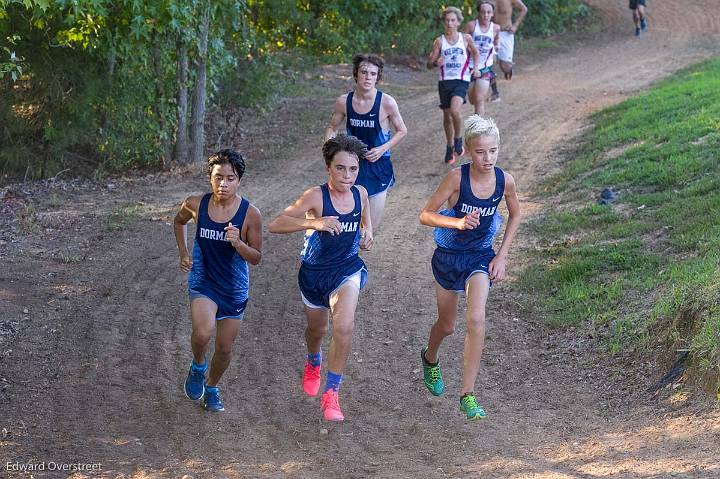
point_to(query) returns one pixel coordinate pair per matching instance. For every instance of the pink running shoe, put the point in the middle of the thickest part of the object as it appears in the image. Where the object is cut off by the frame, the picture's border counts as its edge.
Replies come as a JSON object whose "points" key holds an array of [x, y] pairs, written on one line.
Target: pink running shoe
{"points": [[330, 406], [311, 379]]}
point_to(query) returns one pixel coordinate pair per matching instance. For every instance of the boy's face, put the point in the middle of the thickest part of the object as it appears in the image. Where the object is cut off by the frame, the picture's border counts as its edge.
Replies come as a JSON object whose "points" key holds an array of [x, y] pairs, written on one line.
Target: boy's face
{"points": [[367, 75], [343, 171], [486, 12], [484, 152], [224, 181], [451, 21]]}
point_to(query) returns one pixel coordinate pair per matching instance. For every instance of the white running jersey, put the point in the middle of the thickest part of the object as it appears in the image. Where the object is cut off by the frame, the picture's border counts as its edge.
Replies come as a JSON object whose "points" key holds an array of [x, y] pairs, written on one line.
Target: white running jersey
{"points": [[484, 44], [456, 60]]}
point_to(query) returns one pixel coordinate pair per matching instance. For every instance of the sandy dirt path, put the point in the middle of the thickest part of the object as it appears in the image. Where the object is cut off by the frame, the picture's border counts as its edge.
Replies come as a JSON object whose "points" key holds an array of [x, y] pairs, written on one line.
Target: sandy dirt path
{"points": [[94, 331]]}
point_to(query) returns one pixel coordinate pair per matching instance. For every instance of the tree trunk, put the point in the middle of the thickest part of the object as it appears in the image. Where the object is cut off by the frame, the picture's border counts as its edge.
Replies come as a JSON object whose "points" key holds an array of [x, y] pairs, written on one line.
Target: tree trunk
{"points": [[181, 138], [157, 106], [197, 130]]}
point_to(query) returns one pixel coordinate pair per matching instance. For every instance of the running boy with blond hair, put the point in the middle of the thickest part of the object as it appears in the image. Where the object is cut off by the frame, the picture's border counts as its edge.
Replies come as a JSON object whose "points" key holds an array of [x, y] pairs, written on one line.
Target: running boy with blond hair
{"points": [[464, 260]]}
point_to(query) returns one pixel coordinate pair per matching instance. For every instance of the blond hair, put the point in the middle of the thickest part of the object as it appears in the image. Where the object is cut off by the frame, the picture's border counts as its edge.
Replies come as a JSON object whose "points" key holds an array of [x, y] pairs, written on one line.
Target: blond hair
{"points": [[454, 10], [477, 126]]}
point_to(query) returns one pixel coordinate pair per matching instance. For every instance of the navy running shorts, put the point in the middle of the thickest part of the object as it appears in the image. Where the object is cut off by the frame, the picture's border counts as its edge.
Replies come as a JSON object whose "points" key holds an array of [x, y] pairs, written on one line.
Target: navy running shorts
{"points": [[376, 177], [227, 308], [450, 88], [452, 269], [635, 3], [318, 284]]}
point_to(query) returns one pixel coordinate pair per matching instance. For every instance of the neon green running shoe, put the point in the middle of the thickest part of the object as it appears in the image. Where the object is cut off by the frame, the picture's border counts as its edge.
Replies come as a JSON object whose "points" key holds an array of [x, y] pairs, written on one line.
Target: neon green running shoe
{"points": [[432, 377], [469, 406]]}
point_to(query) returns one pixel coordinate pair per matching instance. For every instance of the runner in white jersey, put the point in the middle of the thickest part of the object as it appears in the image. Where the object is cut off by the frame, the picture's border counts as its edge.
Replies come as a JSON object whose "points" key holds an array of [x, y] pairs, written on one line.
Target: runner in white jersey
{"points": [[452, 53], [485, 36]]}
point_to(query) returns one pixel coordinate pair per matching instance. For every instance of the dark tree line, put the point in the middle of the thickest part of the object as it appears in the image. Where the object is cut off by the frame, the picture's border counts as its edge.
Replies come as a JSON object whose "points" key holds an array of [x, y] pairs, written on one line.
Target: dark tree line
{"points": [[98, 85]]}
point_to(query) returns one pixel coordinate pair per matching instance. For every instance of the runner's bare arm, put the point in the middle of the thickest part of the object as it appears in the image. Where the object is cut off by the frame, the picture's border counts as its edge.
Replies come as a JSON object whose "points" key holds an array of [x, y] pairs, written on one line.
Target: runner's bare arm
{"points": [[250, 247], [472, 49], [188, 211], [366, 228], [398, 125], [434, 56], [496, 37], [496, 269], [523, 11], [469, 27], [338, 116], [449, 187], [304, 214]]}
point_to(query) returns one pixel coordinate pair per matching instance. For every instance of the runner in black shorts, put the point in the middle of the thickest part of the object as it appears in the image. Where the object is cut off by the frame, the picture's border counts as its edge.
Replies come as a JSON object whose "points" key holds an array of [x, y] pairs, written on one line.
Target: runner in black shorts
{"points": [[638, 12]]}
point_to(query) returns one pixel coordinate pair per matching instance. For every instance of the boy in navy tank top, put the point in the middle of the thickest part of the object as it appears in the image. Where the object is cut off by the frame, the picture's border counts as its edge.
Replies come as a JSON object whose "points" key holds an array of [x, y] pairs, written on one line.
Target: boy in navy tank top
{"points": [[228, 237], [369, 114], [337, 224], [464, 259]]}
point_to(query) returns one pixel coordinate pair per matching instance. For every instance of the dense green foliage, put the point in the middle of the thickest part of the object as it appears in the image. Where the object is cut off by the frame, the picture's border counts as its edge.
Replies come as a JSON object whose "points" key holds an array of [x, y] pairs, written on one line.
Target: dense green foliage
{"points": [[549, 17], [93, 85], [647, 266]]}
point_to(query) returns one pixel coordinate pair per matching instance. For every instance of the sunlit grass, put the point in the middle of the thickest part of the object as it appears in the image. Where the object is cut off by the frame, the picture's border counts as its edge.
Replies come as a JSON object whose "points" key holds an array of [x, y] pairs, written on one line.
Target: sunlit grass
{"points": [[651, 256]]}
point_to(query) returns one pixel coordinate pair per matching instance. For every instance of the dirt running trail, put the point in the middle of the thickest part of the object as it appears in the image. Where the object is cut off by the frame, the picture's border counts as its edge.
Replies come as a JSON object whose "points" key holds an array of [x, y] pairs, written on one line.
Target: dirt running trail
{"points": [[94, 335]]}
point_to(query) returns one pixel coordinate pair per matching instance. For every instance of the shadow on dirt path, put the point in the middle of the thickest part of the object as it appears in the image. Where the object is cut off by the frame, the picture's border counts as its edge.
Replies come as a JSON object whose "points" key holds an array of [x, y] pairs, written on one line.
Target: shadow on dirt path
{"points": [[94, 330]]}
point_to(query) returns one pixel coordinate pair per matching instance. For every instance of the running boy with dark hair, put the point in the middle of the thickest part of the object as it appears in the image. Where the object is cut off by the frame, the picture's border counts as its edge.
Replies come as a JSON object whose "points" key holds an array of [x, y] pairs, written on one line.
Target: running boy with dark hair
{"points": [[337, 224], [370, 115], [228, 237], [485, 35]]}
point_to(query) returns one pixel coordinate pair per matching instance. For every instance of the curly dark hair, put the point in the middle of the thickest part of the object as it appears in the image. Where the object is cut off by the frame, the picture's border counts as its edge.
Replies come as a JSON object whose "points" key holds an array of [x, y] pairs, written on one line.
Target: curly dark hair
{"points": [[369, 58], [343, 143], [227, 156]]}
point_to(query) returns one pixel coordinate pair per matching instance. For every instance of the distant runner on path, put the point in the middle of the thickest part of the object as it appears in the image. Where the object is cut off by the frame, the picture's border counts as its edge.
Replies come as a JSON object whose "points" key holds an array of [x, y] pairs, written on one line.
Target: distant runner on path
{"points": [[452, 52], [485, 35], [369, 115], [638, 14], [508, 27], [337, 224], [228, 237], [464, 260]]}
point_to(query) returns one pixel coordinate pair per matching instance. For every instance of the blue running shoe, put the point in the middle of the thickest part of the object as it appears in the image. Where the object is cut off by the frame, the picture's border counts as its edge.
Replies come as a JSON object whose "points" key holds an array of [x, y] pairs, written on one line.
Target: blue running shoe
{"points": [[637, 31], [212, 399], [643, 24], [449, 157], [458, 148], [195, 381]]}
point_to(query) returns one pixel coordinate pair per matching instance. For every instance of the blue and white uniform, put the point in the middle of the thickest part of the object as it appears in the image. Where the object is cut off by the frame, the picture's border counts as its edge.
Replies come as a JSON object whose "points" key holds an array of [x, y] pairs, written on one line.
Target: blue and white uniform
{"points": [[376, 176], [454, 70], [330, 260], [218, 272], [486, 49], [456, 59], [462, 253]]}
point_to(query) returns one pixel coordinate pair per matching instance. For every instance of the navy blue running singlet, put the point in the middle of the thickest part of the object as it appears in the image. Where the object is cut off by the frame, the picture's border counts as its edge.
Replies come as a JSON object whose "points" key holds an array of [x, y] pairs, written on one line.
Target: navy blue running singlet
{"points": [[377, 176], [480, 238], [323, 249], [218, 270]]}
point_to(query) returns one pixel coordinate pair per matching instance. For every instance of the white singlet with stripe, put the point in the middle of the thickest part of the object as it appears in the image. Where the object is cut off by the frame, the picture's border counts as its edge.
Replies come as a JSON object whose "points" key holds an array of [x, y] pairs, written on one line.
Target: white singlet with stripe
{"points": [[456, 61], [484, 44]]}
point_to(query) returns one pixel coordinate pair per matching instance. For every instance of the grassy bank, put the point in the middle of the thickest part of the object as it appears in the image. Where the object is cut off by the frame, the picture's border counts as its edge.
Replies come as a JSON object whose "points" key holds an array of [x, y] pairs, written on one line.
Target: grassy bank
{"points": [[646, 266]]}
